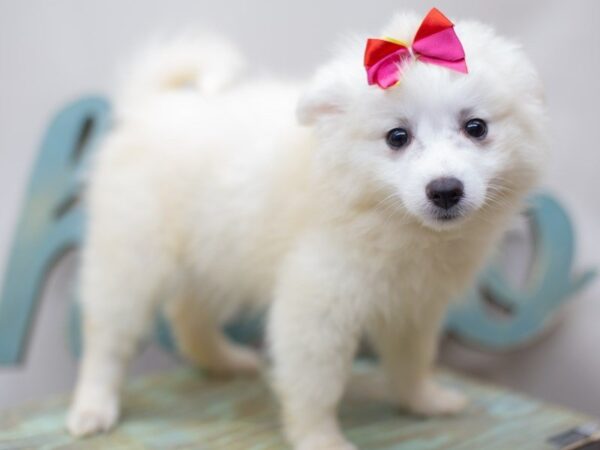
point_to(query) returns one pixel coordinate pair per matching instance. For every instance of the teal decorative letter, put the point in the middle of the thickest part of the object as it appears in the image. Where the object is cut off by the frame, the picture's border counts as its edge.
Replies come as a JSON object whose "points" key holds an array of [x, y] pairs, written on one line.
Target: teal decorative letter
{"points": [[549, 284], [50, 222]]}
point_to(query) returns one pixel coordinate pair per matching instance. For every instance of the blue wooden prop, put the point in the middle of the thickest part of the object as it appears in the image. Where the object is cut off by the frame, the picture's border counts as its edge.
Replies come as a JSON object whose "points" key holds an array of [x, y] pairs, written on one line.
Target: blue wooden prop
{"points": [[548, 286], [52, 222]]}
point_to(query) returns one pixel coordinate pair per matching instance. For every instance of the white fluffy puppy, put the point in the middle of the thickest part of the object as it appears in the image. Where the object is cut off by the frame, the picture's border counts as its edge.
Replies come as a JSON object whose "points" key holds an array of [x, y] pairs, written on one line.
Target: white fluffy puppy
{"points": [[366, 218]]}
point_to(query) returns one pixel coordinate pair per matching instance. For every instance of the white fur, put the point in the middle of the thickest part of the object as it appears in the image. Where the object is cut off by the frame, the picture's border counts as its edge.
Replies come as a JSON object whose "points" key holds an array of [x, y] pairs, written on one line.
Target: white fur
{"points": [[211, 199]]}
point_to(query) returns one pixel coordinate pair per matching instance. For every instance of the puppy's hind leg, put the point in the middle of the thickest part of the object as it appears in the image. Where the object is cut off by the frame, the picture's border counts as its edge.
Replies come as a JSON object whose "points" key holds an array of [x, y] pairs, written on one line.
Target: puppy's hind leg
{"points": [[196, 327], [118, 307]]}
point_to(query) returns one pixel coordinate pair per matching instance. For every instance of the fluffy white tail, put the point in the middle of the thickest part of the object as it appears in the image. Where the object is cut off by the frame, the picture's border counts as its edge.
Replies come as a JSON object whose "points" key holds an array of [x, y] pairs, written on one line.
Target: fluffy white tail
{"points": [[206, 63]]}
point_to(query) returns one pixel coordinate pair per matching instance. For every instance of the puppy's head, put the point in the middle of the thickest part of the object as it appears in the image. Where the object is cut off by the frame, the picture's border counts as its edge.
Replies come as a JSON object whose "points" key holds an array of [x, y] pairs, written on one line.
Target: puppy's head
{"points": [[442, 146]]}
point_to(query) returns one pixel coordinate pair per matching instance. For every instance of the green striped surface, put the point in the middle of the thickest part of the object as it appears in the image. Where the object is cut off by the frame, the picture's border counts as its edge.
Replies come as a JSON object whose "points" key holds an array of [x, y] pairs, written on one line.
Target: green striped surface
{"points": [[185, 410]]}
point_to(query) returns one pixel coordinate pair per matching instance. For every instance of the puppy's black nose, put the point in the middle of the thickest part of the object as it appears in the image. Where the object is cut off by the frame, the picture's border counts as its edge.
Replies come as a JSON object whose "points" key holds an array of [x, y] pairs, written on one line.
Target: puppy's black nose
{"points": [[445, 192]]}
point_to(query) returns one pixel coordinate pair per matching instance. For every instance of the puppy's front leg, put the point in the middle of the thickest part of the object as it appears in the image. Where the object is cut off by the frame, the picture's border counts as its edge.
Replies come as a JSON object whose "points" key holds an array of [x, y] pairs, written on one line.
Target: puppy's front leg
{"points": [[313, 329], [407, 349]]}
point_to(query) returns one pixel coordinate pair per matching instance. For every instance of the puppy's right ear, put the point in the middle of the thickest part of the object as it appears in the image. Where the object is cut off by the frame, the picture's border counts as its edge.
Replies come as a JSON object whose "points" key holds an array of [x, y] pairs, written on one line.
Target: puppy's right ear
{"points": [[323, 98]]}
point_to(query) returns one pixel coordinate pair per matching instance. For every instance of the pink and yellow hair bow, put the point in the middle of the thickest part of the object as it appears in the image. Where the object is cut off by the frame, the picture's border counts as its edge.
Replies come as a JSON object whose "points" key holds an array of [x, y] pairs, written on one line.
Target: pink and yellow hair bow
{"points": [[435, 43]]}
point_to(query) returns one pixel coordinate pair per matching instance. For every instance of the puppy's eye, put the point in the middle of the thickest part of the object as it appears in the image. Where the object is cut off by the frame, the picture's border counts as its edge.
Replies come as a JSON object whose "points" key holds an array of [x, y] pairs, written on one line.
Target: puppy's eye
{"points": [[397, 138], [476, 128]]}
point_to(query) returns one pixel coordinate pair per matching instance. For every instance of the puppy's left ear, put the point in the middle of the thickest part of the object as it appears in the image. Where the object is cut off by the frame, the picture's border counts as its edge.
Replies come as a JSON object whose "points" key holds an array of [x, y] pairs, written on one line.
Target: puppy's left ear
{"points": [[323, 98]]}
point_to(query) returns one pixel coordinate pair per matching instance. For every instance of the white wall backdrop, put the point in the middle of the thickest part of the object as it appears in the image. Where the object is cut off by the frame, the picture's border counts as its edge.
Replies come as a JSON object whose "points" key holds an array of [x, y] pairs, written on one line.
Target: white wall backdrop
{"points": [[52, 51]]}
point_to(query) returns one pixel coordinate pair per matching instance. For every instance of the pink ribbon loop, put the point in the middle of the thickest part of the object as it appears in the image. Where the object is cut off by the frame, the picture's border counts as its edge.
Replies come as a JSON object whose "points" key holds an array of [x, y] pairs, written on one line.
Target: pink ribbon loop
{"points": [[435, 42]]}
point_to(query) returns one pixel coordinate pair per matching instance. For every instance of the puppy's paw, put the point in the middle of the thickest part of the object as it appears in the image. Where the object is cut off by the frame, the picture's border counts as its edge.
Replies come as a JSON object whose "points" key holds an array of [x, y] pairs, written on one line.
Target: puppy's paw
{"points": [[92, 413], [432, 399], [325, 442]]}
